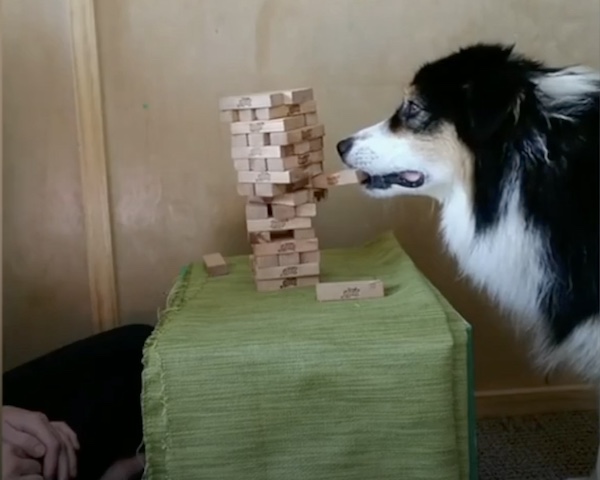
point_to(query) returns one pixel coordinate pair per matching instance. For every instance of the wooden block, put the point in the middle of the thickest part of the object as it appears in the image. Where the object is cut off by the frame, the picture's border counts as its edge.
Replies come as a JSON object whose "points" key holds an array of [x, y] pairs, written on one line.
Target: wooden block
{"points": [[306, 210], [281, 178], [229, 116], [285, 283], [274, 225], [316, 144], [283, 212], [295, 161], [256, 100], [290, 271], [248, 115], [267, 126], [304, 233], [310, 257], [297, 197], [215, 264], [357, 290], [246, 189], [287, 259], [266, 261], [311, 119], [255, 211], [281, 111], [343, 177], [314, 169], [241, 164], [258, 164], [269, 151], [259, 238], [239, 140], [296, 136], [259, 139], [278, 247], [268, 189], [296, 96]]}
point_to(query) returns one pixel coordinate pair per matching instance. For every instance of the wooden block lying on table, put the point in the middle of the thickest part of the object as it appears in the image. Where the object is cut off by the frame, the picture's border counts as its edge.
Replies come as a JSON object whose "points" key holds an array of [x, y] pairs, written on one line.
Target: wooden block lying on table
{"points": [[291, 271], [255, 100], [279, 247], [355, 290], [215, 264], [274, 225], [267, 126], [343, 177], [284, 283]]}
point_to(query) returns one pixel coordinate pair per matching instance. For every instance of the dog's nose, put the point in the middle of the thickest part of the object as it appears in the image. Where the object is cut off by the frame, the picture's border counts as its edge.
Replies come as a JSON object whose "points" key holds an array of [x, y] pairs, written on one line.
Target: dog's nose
{"points": [[344, 146]]}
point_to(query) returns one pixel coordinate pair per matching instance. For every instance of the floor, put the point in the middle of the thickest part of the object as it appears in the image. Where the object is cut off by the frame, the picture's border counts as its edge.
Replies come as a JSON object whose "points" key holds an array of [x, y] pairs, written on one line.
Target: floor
{"points": [[541, 447]]}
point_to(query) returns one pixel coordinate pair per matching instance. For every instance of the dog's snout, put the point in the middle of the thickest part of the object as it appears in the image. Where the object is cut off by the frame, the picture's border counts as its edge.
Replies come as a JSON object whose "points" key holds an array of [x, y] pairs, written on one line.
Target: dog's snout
{"points": [[344, 146]]}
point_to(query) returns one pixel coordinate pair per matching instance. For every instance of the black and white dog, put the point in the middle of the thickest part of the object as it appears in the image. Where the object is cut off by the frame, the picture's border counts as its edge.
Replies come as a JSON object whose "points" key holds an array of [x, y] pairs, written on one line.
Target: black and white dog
{"points": [[509, 148]]}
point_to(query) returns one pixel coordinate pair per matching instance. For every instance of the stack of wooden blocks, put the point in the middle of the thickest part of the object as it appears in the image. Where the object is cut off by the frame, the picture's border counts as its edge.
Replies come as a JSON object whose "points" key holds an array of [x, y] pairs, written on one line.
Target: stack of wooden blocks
{"points": [[277, 151]]}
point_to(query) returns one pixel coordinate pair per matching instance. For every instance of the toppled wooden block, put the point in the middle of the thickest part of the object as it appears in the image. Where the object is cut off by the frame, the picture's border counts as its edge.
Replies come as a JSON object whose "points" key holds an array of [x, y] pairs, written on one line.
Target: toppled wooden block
{"points": [[215, 264], [356, 290], [343, 177], [284, 283]]}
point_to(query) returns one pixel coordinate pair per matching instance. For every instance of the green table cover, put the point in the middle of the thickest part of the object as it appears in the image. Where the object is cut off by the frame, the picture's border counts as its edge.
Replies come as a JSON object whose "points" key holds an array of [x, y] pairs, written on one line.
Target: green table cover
{"points": [[239, 384]]}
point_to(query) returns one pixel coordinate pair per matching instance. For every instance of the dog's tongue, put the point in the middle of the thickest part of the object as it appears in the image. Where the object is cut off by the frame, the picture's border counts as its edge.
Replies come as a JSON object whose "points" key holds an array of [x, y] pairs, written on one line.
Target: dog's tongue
{"points": [[410, 175]]}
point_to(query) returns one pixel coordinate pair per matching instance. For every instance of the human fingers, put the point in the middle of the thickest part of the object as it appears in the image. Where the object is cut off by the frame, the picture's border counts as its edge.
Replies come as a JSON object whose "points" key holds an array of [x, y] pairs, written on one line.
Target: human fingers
{"points": [[68, 461], [29, 443], [71, 435], [37, 424]]}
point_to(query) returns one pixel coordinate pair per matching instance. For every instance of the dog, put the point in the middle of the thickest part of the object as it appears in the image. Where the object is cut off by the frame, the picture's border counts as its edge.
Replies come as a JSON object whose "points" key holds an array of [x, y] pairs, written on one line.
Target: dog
{"points": [[509, 148]]}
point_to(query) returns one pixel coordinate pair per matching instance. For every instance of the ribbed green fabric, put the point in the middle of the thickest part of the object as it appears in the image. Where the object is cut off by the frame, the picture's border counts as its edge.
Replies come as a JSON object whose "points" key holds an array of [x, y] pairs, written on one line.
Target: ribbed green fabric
{"points": [[277, 386]]}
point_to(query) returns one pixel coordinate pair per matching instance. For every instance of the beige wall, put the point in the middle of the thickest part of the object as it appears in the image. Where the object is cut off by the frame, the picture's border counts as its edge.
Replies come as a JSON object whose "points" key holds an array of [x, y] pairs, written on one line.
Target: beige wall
{"points": [[164, 65]]}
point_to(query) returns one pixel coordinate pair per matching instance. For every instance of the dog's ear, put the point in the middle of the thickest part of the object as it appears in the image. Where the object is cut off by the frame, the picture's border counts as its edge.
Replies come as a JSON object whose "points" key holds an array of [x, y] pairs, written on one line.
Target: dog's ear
{"points": [[492, 106]]}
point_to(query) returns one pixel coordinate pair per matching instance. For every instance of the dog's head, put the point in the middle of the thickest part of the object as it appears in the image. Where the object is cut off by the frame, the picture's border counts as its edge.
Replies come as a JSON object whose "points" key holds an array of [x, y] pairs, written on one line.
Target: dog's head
{"points": [[453, 107]]}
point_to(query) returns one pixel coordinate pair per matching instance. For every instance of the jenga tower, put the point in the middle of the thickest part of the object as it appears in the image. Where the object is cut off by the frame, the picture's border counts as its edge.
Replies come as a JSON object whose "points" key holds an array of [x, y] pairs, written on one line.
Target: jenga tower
{"points": [[277, 150]]}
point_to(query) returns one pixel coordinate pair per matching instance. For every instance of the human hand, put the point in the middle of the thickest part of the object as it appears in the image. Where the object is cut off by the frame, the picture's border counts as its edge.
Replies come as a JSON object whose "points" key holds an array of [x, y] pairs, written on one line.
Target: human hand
{"points": [[37, 437], [17, 466]]}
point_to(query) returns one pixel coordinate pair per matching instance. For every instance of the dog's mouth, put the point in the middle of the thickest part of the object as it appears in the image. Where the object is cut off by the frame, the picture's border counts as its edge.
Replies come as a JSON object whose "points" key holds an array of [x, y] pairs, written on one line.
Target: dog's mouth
{"points": [[404, 178]]}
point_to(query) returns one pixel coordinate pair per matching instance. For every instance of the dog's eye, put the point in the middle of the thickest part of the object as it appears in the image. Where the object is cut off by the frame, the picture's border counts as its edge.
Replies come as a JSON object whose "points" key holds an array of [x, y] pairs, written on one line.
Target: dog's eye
{"points": [[411, 109]]}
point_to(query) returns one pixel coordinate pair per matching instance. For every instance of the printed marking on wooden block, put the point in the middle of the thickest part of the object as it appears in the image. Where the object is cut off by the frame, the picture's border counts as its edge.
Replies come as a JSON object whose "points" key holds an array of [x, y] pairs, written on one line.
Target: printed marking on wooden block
{"points": [[241, 164], [255, 211], [215, 264], [256, 100], [304, 233], [287, 259], [283, 212], [343, 177], [310, 257], [306, 210], [274, 225], [281, 111], [285, 283], [247, 115], [356, 290], [290, 271], [282, 178], [288, 163], [278, 247], [229, 116], [268, 189], [268, 151], [267, 126], [246, 189], [259, 139], [311, 119], [259, 238], [266, 261], [296, 136]]}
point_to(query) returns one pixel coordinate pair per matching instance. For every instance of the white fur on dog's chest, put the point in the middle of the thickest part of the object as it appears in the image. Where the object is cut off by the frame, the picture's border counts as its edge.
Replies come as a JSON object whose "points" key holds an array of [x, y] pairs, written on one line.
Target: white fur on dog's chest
{"points": [[504, 261]]}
